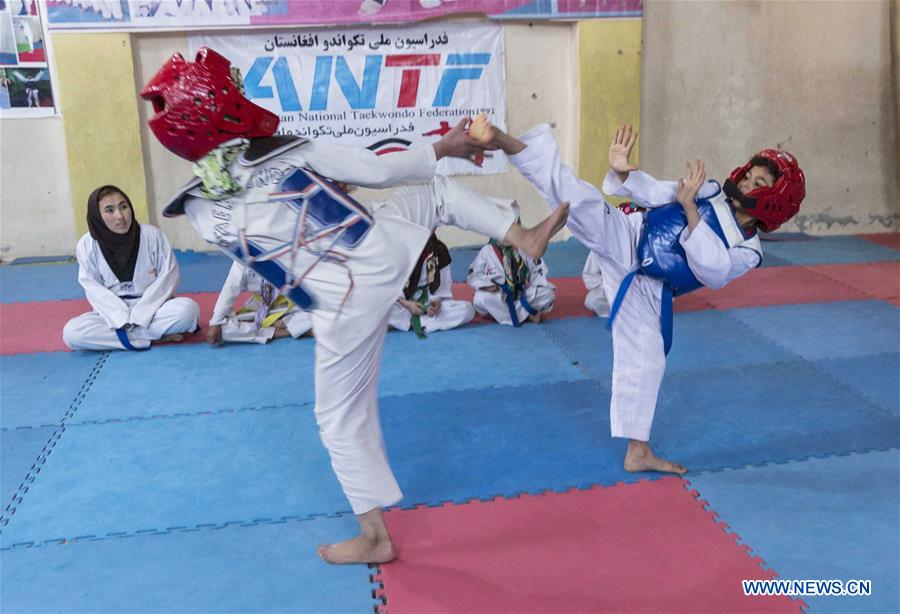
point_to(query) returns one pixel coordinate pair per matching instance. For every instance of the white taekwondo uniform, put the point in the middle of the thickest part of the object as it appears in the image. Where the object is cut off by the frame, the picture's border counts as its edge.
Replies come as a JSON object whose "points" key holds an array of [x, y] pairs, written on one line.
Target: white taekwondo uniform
{"points": [[638, 353], [142, 306], [486, 270], [353, 289], [595, 300], [240, 326], [453, 313]]}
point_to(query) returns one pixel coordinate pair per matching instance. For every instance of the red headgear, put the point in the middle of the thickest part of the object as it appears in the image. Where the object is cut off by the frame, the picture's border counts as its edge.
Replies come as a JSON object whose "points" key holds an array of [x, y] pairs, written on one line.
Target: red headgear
{"points": [[776, 205], [198, 106]]}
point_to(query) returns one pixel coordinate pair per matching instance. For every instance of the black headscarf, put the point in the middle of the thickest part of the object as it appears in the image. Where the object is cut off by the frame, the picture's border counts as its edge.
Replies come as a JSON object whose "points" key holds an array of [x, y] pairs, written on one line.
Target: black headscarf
{"points": [[120, 251], [433, 258]]}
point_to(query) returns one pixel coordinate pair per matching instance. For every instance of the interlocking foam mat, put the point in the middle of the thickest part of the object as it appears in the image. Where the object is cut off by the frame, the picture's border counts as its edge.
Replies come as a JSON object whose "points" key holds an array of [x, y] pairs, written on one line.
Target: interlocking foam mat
{"points": [[828, 518], [248, 567], [646, 547], [192, 479]]}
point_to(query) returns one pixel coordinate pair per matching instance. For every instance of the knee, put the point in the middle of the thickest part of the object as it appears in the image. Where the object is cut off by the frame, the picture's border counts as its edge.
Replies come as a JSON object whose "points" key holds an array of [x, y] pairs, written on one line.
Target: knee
{"points": [[188, 310], [72, 334]]}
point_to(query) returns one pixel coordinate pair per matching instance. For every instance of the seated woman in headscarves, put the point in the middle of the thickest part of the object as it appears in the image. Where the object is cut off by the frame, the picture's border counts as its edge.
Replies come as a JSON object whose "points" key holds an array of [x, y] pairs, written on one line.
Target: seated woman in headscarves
{"points": [[129, 273]]}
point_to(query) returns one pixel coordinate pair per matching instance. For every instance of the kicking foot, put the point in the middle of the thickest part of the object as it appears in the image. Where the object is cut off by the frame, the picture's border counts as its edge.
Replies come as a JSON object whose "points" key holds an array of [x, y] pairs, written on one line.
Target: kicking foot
{"points": [[641, 458], [533, 241], [358, 550]]}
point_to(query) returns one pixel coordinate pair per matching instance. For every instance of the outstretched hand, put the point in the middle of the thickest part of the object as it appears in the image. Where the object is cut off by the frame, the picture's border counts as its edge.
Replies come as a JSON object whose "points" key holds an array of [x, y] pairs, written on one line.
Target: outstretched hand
{"points": [[458, 144], [620, 151]]}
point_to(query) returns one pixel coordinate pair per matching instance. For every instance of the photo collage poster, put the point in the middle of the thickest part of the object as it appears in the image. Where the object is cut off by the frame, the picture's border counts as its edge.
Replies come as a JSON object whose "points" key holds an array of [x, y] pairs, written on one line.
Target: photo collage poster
{"points": [[26, 89]]}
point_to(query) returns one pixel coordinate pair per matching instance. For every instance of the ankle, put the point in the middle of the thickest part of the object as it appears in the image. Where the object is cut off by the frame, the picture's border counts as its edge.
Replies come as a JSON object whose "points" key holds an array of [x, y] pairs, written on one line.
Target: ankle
{"points": [[638, 448]]}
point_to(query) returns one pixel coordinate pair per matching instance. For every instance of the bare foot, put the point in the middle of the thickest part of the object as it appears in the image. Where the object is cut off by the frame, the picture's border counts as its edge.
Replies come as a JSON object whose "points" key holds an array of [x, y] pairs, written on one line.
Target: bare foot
{"points": [[536, 318], [175, 338], [533, 241], [358, 550], [641, 458]]}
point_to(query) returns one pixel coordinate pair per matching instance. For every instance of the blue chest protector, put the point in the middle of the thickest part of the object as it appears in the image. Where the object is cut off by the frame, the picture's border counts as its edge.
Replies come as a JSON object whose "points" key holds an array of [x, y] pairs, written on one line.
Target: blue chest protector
{"points": [[662, 257]]}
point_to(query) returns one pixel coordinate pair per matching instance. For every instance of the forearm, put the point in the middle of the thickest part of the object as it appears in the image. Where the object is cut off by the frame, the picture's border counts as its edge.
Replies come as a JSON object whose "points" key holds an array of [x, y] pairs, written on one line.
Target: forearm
{"points": [[708, 258]]}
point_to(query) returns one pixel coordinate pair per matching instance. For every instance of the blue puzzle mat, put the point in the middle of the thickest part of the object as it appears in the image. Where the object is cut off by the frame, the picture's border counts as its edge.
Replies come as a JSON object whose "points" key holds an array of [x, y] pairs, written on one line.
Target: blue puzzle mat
{"points": [[875, 378], [258, 568], [829, 250], [193, 378], [39, 282], [767, 413], [19, 450], [696, 335], [38, 389], [202, 272], [502, 441], [826, 330], [178, 472], [187, 471], [831, 518]]}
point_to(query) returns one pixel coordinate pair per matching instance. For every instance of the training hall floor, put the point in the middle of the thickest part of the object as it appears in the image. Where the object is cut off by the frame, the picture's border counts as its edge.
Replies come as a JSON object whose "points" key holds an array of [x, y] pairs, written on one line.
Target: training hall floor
{"points": [[191, 478]]}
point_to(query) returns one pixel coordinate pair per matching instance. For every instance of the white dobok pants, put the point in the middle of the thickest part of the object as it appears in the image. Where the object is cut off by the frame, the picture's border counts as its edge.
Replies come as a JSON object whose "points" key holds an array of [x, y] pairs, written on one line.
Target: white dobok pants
{"points": [[596, 302], [493, 304], [347, 381], [638, 357], [240, 329], [453, 314], [89, 331]]}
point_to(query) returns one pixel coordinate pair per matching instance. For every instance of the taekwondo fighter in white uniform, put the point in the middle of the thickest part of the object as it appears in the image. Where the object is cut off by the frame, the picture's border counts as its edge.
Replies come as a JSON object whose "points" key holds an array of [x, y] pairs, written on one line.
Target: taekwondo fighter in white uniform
{"points": [[274, 203], [427, 304], [265, 316], [596, 299], [510, 286], [129, 273], [694, 235]]}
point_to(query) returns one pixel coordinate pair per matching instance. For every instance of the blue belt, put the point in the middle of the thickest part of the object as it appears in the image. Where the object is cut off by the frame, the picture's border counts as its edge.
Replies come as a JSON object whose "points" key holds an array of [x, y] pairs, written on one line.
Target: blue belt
{"points": [[665, 315], [126, 342], [508, 294]]}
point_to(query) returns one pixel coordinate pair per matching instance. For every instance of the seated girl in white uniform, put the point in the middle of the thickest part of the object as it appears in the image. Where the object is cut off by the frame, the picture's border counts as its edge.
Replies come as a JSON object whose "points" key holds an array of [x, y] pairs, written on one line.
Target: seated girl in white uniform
{"points": [[595, 300], [510, 286], [265, 316], [129, 273], [427, 303]]}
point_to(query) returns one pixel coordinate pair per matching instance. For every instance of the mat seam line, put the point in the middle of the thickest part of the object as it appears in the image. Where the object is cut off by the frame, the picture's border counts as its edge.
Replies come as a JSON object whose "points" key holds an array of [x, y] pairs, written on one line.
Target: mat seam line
{"points": [[846, 285], [739, 541], [55, 437], [203, 526]]}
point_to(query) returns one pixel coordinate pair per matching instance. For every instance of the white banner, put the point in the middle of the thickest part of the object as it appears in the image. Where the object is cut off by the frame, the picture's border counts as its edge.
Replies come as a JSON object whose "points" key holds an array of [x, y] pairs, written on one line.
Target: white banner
{"points": [[383, 88]]}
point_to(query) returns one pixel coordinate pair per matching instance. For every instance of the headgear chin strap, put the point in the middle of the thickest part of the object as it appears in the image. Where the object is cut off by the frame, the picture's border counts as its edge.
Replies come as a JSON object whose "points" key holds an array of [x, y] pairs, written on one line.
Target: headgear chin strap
{"points": [[771, 206], [199, 106]]}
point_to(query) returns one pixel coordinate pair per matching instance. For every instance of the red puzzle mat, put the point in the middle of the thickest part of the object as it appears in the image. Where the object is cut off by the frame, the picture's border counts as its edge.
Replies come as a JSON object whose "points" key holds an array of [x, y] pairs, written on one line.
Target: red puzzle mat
{"points": [[37, 326], [644, 547]]}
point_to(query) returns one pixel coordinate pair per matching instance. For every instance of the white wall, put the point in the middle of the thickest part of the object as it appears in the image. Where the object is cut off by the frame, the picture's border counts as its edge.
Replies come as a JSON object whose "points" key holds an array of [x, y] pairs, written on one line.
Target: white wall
{"points": [[544, 91], [36, 217], [722, 80]]}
